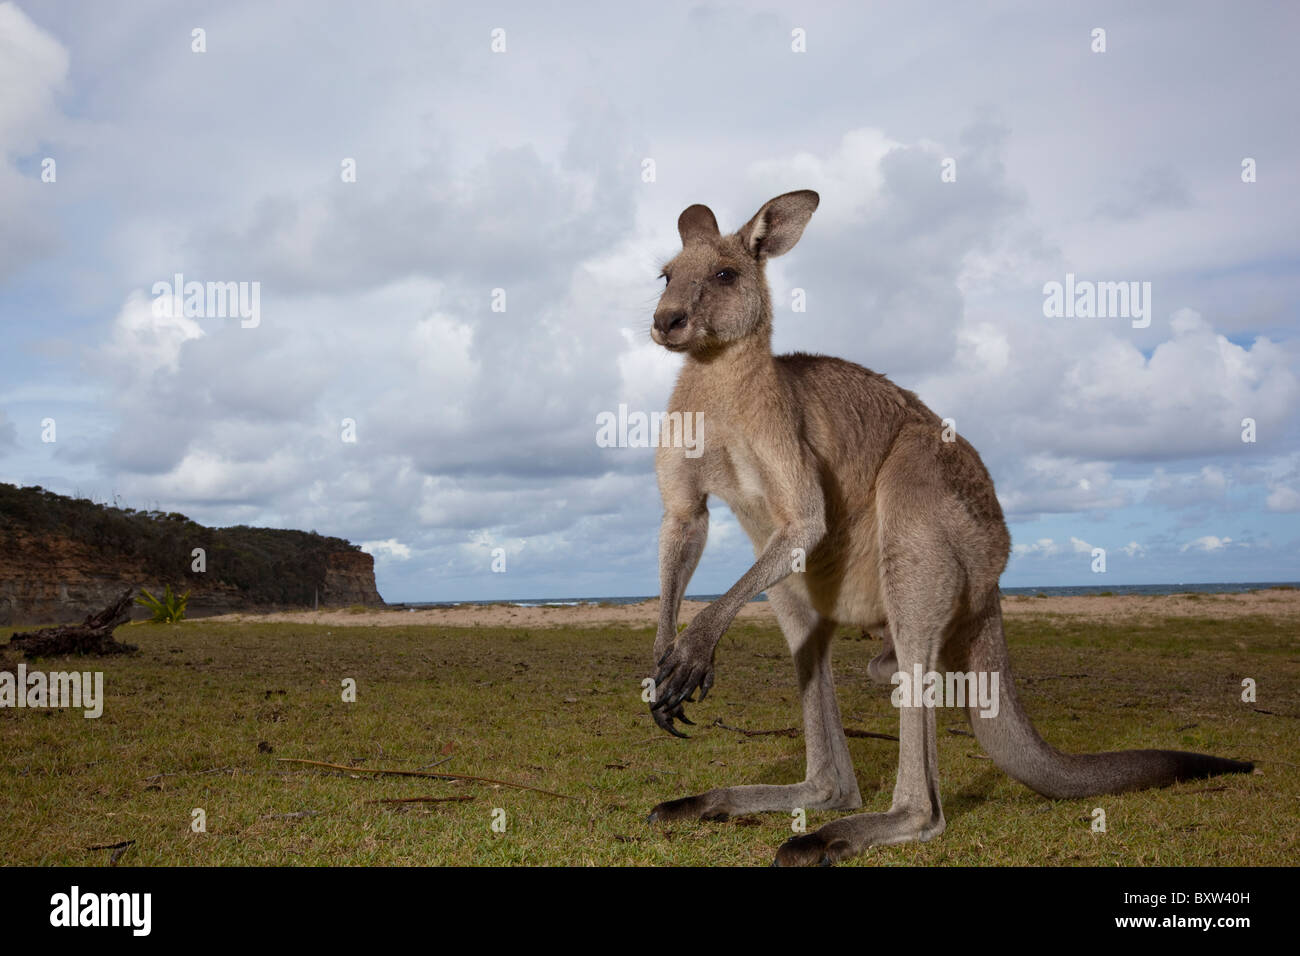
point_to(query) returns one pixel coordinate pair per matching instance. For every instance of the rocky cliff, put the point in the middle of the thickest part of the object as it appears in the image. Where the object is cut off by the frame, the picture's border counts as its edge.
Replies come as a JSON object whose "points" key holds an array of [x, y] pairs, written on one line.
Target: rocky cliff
{"points": [[63, 558], [349, 579]]}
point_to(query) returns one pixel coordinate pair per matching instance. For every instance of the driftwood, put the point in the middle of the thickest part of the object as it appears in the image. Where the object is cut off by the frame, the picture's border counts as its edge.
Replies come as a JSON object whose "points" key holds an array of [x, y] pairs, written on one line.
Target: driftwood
{"points": [[94, 635]]}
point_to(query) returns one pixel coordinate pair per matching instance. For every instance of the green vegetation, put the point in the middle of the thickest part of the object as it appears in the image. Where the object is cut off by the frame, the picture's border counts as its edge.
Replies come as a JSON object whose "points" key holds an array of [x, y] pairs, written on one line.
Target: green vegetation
{"points": [[269, 566], [170, 610], [199, 717]]}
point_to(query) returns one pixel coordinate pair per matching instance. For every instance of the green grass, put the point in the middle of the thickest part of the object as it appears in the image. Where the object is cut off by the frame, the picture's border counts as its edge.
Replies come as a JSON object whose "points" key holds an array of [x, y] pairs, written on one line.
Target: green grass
{"points": [[561, 710]]}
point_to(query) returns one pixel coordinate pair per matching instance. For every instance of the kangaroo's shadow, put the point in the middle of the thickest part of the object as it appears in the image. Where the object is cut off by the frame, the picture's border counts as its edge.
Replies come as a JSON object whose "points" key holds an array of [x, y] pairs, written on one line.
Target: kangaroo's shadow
{"points": [[974, 794]]}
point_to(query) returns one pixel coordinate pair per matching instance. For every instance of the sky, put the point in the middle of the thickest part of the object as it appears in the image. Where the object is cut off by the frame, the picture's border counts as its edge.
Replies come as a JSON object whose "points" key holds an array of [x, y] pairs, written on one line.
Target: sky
{"points": [[452, 218]]}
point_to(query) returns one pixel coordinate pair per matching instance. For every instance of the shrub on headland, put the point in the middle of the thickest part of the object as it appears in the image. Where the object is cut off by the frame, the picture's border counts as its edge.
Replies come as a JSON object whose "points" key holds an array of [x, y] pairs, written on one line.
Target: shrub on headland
{"points": [[268, 565]]}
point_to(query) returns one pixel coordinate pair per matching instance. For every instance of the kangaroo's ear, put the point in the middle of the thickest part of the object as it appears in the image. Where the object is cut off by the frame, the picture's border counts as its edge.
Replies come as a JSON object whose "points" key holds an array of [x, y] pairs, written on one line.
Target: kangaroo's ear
{"points": [[778, 225], [697, 222]]}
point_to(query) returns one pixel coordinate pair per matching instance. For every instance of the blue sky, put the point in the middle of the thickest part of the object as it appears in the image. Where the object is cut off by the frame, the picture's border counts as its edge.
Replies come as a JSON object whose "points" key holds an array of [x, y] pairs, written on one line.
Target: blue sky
{"points": [[523, 170]]}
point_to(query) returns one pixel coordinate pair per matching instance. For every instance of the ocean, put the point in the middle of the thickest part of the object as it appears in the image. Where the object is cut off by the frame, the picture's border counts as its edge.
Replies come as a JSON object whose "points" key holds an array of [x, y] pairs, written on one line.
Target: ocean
{"points": [[1048, 589]]}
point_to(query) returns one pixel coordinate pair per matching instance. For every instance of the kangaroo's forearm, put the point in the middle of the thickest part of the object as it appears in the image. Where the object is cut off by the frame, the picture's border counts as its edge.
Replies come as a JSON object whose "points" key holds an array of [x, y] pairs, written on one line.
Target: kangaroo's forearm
{"points": [[774, 565], [681, 542]]}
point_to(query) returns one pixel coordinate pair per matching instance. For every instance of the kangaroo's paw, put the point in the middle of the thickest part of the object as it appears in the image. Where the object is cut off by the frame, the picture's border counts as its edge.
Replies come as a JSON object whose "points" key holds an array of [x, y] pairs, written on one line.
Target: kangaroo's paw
{"points": [[727, 802], [686, 668], [849, 836], [811, 849], [700, 807]]}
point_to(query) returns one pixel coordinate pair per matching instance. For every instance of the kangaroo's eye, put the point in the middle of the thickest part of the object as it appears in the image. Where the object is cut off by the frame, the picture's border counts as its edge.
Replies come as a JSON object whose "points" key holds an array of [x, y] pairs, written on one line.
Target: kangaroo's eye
{"points": [[725, 275]]}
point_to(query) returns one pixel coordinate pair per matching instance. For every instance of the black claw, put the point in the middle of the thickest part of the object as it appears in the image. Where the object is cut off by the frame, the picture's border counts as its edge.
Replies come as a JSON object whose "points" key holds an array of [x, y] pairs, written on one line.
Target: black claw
{"points": [[665, 720]]}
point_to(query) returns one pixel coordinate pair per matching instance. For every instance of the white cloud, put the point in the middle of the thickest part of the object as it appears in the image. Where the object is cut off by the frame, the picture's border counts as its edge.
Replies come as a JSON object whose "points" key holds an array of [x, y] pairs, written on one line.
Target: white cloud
{"points": [[390, 548], [1208, 543], [852, 173], [1283, 498], [33, 68], [33, 71], [1042, 483], [142, 343], [1043, 547]]}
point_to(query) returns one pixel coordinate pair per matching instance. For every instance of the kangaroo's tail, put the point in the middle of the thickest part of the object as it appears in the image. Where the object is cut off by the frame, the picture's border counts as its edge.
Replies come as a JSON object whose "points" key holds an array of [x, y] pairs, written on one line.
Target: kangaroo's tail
{"points": [[1010, 739]]}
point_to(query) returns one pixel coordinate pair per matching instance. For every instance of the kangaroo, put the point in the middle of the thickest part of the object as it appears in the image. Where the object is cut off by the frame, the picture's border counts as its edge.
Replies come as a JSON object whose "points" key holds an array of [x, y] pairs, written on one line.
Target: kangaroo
{"points": [[859, 514]]}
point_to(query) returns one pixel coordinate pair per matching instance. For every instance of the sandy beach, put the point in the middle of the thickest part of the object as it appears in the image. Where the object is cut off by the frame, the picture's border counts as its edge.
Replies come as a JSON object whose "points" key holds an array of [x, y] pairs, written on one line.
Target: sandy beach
{"points": [[1273, 603]]}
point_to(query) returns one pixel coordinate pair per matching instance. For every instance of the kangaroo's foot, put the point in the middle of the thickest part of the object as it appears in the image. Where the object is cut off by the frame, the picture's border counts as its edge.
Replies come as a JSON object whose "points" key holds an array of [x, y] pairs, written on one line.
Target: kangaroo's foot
{"points": [[849, 836], [726, 802]]}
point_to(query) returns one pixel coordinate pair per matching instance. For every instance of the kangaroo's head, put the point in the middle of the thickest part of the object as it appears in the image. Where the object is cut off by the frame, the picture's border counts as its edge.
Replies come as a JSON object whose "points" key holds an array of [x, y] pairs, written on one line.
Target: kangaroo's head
{"points": [[715, 289]]}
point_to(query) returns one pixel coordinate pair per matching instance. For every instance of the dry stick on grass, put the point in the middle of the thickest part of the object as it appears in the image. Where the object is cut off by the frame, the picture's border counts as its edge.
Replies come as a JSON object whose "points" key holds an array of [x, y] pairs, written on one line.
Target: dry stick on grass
{"points": [[117, 848], [782, 732], [190, 773], [435, 763], [794, 732], [851, 732], [1033, 679], [421, 773], [460, 799]]}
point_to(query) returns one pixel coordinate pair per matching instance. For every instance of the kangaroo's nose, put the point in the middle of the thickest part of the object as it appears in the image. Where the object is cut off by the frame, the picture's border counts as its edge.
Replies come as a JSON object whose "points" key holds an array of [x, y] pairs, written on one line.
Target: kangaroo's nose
{"points": [[670, 319]]}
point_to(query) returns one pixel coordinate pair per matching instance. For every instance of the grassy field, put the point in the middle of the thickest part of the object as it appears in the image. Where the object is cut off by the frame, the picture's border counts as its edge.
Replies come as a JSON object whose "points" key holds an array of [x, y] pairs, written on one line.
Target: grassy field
{"points": [[199, 717]]}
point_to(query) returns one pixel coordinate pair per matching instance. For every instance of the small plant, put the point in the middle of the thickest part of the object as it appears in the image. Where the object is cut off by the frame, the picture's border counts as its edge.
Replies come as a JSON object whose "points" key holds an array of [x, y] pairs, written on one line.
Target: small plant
{"points": [[170, 610]]}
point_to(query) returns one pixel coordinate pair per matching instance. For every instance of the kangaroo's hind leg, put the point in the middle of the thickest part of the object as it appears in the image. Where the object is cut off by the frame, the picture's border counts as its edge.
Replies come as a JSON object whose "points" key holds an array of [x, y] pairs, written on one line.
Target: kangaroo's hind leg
{"points": [[829, 782], [922, 582]]}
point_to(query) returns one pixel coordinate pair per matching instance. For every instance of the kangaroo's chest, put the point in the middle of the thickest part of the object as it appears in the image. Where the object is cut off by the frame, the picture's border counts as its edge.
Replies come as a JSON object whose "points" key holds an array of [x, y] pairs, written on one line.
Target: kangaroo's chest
{"points": [[736, 475]]}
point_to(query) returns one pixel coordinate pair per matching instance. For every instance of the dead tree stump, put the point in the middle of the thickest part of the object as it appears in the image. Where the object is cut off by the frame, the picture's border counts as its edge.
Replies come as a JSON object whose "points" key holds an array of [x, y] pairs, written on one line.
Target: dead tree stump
{"points": [[94, 635]]}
